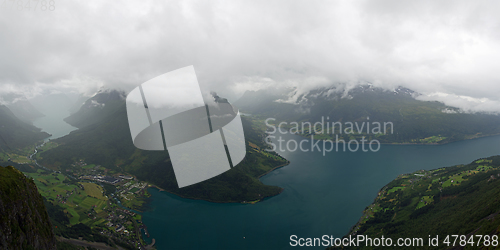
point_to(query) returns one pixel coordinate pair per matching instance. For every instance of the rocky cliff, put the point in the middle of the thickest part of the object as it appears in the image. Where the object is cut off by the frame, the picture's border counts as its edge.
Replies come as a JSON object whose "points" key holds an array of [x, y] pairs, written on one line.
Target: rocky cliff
{"points": [[24, 222]]}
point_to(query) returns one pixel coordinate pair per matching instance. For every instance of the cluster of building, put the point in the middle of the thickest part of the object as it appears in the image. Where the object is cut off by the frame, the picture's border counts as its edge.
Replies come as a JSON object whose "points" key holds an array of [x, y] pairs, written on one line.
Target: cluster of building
{"points": [[104, 178], [80, 163], [117, 220]]}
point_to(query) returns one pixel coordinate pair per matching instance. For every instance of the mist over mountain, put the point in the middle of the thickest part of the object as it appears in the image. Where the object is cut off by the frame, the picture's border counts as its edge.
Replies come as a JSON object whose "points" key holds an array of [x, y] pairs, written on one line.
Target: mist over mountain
{"points": [[96, 108], [54, 102], [427, 70], [107, 141], [414, 120], [15, 133], [80, 100], [20, 106], [25, 111]]}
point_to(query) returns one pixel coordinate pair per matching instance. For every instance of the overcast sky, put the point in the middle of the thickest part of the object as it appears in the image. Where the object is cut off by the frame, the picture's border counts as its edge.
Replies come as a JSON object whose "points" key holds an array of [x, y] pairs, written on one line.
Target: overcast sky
{"points": [[446, 50]]}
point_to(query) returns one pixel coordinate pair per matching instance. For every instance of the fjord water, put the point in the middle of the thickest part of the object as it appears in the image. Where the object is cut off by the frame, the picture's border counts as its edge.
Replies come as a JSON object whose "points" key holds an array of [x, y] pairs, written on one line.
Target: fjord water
{"points": [[324, 195], [53, 121]]}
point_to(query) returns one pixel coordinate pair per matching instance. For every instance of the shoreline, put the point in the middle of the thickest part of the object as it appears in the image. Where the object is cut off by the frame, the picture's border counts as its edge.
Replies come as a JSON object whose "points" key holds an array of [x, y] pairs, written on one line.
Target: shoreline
{"points": [[417, 143], [275, 168], [288, 162], [222, 202], [431, 144]]}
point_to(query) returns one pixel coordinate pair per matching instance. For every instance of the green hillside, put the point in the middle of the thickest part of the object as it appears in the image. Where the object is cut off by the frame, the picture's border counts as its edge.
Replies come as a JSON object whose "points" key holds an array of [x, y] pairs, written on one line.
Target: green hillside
{"points": [[96, 109], [108, 143], [459, 200]]}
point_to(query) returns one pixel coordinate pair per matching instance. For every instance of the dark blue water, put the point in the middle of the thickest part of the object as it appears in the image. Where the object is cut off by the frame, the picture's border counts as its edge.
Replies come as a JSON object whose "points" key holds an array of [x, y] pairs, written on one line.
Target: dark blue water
{"points": [[323, 195]]}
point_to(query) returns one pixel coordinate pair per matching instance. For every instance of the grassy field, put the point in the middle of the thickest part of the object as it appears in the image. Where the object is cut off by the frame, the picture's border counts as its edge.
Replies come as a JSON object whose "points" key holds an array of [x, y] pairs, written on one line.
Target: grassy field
{"points": [[394, 189], [75, 217], [93, 190], [130, 201], [89, 166], [52, 184], [454, 180], [138, 217], [81, 205], [77, 202], [483, 168], [432, 139], [20, 159], [483, 161], [48, 145], [425, 201]]}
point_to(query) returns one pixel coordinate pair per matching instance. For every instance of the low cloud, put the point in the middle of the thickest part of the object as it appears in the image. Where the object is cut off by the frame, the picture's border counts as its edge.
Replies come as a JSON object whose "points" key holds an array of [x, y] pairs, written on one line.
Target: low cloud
{"points": [[448, 47], [464, 103]]}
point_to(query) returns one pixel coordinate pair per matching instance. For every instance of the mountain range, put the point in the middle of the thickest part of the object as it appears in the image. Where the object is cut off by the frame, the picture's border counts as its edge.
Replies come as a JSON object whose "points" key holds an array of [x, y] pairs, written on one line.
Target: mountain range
{"points": [[104, 138], [461, 199], [414, 121], [96, 108]]}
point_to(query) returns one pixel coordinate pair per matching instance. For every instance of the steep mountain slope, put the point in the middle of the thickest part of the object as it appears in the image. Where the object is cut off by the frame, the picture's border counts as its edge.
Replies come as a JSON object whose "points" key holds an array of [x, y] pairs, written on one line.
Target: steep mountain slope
{"points": [[459, 200], [24, 222], [25, 111], [15, 133], [79, 101], [109, 144], [414, 121], [20, 106], [96, 109]]}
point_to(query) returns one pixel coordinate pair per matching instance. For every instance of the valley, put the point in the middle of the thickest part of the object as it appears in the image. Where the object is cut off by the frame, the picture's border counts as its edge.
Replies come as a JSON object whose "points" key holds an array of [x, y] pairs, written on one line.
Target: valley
{"points": [[249, 125], [99, 188], [86, 195], [106, 201], [107, 142], [321, 195]]}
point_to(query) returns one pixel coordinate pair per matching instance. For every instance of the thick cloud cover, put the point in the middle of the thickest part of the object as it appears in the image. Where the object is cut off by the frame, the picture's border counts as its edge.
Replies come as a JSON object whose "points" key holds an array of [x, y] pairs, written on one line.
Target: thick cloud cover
{"points": [[446, 50]]}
